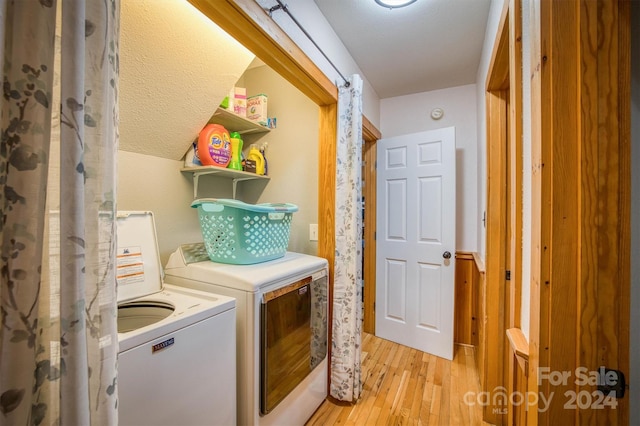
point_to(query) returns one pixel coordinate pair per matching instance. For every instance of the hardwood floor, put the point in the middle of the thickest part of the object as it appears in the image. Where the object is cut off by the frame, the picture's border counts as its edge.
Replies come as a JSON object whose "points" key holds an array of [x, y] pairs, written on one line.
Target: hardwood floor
{"points": [[405, 386]]}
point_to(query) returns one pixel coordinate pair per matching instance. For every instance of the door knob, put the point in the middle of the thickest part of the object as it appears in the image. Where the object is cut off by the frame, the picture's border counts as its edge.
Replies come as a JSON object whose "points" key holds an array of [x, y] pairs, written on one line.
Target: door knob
{"points": [[446, 255]]}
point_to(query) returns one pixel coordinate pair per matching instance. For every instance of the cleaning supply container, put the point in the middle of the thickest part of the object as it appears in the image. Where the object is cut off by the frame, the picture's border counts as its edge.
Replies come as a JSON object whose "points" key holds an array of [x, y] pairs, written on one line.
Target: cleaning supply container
{"points": [[236, 151], [256, 156], [240, 233], [214, 146]]}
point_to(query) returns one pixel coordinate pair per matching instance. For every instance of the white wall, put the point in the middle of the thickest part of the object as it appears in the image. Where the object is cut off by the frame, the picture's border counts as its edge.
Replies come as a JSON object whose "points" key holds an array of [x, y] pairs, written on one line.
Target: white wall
{"points": [[156, 184], [410, 114], [313, 21], [634, 379]]}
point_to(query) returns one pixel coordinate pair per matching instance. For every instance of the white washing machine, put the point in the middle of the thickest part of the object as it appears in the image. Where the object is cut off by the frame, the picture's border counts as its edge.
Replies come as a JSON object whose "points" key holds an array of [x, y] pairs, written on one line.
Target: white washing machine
{"points": [[281, 329], [177, 356]]}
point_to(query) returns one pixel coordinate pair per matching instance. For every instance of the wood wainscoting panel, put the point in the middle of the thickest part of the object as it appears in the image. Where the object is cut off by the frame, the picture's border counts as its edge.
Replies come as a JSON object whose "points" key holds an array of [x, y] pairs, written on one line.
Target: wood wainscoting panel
{"points": [[479, 343], [517, 382], [464, 329]]}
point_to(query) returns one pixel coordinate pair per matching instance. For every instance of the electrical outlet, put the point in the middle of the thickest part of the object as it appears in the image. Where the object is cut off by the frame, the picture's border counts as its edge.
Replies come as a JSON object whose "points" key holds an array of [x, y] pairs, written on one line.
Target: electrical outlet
{"points": [[313, 232]]}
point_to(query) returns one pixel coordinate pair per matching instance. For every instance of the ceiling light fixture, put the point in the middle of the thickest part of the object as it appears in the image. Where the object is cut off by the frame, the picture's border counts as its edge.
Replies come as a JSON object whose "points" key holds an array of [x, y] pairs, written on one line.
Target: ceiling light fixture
{"points": [[394, 4]]}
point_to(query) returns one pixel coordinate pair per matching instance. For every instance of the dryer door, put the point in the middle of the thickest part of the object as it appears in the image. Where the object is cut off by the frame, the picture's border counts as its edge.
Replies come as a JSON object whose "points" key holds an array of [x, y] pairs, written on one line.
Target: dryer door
{"points": [[293, 337]]}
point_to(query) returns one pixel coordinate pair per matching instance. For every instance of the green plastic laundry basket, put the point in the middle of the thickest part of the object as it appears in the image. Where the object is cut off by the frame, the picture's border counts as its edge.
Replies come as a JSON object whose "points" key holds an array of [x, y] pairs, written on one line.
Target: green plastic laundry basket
{"points": [[240, 233]]}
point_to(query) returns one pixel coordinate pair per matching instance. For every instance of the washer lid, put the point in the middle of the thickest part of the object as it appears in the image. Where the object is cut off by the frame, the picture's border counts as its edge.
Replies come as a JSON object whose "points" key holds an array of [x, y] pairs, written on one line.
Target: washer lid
{"points": [[138, 270]]}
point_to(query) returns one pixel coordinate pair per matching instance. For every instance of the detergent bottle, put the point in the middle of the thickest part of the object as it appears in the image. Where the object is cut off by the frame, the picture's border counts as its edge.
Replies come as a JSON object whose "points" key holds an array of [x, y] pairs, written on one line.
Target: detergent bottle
{"points": [[256, 156], [236, 150], [214, 146]]}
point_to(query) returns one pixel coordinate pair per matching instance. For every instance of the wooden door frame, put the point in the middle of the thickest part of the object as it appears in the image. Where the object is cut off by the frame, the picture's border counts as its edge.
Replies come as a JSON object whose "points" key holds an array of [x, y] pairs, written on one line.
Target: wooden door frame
{"points": [[495, 321], [514, 169], [517, 351], [504, 213], [371, 135]]}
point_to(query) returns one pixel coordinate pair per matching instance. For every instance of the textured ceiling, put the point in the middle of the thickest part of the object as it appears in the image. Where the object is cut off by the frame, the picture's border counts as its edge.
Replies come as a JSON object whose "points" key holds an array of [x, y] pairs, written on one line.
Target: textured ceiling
{"points": [[175, 68], [428, 45]]}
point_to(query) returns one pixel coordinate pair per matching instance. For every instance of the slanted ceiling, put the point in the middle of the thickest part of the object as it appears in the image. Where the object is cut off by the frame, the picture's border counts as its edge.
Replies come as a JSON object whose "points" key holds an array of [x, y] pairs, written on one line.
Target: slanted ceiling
{"points": [[176, 66]]}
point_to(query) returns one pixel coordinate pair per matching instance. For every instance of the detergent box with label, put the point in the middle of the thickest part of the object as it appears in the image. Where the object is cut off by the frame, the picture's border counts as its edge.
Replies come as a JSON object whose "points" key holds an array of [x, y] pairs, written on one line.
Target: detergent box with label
{"points": [[257, 109]]}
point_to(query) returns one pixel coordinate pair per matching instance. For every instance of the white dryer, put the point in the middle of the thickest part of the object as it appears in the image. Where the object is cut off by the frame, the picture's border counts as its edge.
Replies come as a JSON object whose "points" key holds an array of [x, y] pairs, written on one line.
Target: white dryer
{"points": [[177, 359], [281, 329]]}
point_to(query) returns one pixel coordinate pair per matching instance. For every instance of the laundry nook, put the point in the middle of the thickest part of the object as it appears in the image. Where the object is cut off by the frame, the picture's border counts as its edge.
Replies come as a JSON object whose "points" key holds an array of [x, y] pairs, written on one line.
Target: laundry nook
{"points": [[233, 188]]}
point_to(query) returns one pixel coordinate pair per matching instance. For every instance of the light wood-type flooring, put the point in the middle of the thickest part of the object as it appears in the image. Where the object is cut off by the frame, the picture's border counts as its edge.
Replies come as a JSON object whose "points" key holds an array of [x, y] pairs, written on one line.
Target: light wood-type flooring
{"points": [[405, 386]]}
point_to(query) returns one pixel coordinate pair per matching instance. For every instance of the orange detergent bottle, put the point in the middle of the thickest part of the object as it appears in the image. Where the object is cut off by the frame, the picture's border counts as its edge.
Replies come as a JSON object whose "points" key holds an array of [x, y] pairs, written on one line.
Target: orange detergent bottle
{"points": [[214, 146]]}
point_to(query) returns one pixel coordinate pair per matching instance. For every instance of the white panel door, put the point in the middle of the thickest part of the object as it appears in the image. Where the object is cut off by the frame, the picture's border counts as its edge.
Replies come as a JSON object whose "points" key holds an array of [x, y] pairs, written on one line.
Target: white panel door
{"points": [[416, 217]]}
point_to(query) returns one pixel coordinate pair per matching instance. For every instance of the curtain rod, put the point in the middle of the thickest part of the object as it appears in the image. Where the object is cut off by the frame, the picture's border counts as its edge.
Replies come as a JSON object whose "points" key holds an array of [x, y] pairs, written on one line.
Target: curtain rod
{"points": [[281, 6]]}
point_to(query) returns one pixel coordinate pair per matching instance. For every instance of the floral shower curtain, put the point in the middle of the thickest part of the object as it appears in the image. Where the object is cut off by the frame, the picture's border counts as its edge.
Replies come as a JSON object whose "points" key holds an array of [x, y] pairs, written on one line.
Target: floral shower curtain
{"points": [[58, 340], [346, 383]]}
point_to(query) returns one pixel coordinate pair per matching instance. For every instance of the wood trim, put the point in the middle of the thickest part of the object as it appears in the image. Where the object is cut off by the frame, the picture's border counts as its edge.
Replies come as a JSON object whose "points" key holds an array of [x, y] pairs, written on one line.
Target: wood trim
{"points": [[515, 164], [466, 255], [479, 262], [249, 24], [498, 75], [538, 299], [517, 381], [516, 354], [518, 342], [494, 345], [558, 192], [328, 123], [624, 211], [326, 191], [369, 132], [465, 328], [590, 333], [495, 249], [480, 308], [369, 272], [371, 135]]}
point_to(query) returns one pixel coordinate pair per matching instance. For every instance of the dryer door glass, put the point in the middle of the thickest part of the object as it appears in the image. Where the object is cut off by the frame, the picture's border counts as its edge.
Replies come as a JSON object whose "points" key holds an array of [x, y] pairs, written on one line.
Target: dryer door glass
{"points": [[293, 338]]}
